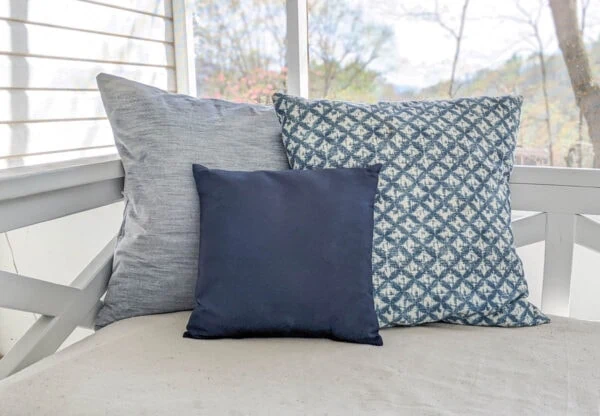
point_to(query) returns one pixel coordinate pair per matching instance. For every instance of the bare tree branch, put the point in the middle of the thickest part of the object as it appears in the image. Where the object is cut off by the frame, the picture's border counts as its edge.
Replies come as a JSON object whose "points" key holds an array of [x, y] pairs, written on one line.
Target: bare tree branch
{"points": [[532, 21], [457, 34], [458, 38]]}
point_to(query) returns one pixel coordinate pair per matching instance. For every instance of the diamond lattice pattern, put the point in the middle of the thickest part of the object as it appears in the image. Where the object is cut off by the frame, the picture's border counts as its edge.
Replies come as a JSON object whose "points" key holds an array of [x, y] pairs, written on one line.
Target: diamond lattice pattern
{"points": [[442, 246]]}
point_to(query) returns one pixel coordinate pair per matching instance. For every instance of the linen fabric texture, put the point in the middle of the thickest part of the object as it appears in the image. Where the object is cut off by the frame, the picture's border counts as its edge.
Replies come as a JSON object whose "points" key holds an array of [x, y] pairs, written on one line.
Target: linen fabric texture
{"points": [[159, 136], [425, 370], [443, 248], [286, 254]]}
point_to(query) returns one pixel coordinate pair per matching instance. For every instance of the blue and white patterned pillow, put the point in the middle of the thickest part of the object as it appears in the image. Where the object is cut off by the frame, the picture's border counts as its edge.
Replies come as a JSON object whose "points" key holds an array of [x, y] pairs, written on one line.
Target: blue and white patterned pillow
{"points": [[443, 248]]}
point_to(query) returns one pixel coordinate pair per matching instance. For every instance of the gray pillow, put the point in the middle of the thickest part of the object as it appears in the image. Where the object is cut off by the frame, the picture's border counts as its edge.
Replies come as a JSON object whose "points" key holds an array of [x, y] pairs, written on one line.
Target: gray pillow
{"points": [[159, 136]]}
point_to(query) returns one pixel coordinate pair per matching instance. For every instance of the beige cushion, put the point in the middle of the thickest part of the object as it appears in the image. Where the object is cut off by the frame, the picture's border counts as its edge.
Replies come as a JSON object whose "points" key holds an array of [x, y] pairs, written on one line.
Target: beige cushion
{"points": [[143, 366]]}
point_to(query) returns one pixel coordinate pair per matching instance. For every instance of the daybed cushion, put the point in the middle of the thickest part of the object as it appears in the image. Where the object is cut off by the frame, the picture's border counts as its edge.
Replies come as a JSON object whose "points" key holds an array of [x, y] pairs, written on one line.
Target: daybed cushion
{"points": [[159, 135], [143, 366]]}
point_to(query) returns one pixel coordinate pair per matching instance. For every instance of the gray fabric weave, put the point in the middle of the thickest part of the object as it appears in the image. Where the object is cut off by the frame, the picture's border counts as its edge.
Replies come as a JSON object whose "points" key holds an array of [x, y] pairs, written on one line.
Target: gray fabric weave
{"points": [[159, 135]]}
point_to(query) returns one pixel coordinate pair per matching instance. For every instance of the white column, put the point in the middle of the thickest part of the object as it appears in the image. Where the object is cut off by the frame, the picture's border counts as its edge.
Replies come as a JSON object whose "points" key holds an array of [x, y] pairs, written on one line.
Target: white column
{"points": [[183, 35], [297, 47], [558, 262]]}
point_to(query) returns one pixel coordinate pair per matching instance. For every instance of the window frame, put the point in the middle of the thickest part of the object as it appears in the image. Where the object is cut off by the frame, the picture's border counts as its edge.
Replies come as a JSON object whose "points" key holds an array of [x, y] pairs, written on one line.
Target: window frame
{"points": [[297, 47], [183, 40]]}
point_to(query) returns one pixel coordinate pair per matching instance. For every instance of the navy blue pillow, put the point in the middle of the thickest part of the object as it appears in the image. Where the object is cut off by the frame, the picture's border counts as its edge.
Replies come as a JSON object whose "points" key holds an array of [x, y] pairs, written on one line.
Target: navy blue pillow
{"points": [[286, 253]]}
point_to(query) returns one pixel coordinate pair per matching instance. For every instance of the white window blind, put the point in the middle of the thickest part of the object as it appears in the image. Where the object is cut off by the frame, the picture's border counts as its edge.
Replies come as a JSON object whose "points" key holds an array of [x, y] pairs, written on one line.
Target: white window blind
{"points": [[50, 53]]}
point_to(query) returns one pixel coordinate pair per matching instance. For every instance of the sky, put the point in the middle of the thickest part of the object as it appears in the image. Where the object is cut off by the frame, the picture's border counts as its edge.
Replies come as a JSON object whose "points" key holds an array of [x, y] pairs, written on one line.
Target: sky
{"points": [[424, 50]]}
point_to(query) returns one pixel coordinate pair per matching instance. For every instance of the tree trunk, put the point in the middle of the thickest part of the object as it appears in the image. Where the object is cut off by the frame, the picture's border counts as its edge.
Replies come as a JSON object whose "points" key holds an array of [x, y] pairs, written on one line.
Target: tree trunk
{"points": [[587, 93]]}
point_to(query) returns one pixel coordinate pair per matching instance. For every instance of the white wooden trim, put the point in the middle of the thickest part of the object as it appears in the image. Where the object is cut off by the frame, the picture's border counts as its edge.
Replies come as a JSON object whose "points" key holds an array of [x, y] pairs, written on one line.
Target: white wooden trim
{"points": [[48, 333], [529, 230], [185, 66], [555, 176], [33, 295], [587, 233], [297, 47], [558, 263], [563, 199], [40, 193], [31, 180], [21, 212]]}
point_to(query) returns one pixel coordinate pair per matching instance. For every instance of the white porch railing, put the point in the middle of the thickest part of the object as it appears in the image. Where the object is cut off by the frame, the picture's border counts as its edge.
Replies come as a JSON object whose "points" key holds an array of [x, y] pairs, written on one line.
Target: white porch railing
{"points": [[560, 198]]}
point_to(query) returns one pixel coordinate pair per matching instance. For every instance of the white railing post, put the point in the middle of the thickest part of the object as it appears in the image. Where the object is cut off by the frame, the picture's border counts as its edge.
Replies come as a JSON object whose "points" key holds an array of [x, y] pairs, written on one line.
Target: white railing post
{"points": [[297, 47], [558, 262]]}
